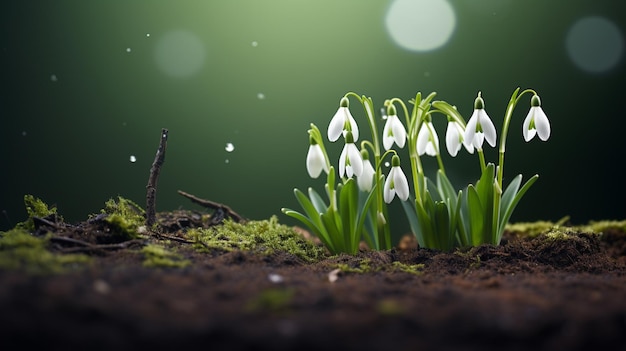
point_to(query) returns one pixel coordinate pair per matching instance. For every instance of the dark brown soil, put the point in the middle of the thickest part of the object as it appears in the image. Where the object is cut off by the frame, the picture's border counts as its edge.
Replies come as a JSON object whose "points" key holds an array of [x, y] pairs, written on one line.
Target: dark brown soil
{"points": [[524, 294]]}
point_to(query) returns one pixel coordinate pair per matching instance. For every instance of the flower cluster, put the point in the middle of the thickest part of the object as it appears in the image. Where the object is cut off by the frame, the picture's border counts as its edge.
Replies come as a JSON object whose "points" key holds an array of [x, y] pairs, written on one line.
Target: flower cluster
{"points": [[440, 217]]}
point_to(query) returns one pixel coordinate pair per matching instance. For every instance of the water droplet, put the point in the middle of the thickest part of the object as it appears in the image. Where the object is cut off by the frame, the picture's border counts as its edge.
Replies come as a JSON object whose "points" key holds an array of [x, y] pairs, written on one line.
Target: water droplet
{"points": [[383, 112], [133, 159], [386, 164], [127, 49], [255, 43], [53, 78], [260, 96], [226, 161], [147, 35], [229, 147]]}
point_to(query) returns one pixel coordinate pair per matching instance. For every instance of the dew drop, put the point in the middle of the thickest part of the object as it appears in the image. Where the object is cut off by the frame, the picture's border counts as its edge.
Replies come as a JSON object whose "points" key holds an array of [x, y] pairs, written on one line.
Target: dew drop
{"points": [[147, 35], [260, 96], [229, 147], [386, 164], [227, 161], [128, 50], [255, 43], [133, 159]]}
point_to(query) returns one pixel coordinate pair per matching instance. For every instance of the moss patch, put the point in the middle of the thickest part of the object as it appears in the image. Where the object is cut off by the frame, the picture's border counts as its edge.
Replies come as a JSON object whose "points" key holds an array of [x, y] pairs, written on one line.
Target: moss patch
{"points": [[35, 207], [159, 256], [19, 250], [266, 236], [124, 218]]}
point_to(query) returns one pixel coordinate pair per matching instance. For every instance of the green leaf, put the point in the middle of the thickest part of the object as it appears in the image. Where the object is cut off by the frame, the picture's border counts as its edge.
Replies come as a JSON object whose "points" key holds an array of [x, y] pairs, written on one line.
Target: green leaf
{"points": [[476, 215], [364, 212], [509, 194], [334, 233], [348, 207], [411, 215], [508, 211], [319, 232], [317, 201]]}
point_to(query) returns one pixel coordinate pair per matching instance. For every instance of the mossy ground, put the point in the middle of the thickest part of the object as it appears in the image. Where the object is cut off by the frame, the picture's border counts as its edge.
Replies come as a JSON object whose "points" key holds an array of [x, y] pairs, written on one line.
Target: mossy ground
{"points": [[188, 284]]}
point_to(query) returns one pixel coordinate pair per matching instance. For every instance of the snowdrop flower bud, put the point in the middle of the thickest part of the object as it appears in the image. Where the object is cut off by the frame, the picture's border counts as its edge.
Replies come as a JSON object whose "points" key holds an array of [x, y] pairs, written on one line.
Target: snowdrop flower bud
{"points": [[394, 130], [536, 121], [350, 162], [315, 159], [479, 127], [342, 122], [396, 182], [366, 179]]}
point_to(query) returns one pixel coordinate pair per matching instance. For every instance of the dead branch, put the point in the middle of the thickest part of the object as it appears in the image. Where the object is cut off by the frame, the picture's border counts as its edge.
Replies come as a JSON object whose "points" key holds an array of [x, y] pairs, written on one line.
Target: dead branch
{"points": [[159, 159], [221, 210]]}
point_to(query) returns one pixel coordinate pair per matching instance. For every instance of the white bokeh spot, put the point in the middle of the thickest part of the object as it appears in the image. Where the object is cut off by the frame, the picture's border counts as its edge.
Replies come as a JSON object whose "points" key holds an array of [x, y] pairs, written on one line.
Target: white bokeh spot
{"points": [[420, 25], [594, 44], [180, 54]]}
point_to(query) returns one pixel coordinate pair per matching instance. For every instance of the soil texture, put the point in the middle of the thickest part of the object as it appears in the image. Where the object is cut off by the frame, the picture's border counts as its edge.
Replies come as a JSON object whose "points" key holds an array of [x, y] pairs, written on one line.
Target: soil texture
{"points": [[536, 293]]}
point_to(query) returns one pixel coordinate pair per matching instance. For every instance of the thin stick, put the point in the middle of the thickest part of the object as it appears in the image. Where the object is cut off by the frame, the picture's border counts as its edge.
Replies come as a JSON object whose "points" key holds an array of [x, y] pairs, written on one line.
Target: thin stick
{"points": [[159, 159], [227, 211]]}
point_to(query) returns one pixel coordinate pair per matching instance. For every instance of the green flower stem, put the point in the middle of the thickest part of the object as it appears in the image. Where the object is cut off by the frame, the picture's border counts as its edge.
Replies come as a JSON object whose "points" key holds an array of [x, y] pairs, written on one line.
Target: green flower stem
{"points": [[481, 156], [505, 129]]}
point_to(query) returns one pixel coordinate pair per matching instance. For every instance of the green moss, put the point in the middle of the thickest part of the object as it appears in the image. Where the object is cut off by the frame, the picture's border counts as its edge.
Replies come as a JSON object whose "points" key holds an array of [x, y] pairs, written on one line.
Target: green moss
{"points": [[266, 236], [159, 256], [125, 218], [21, 251], [603, 226], [35, 207], [366, 266], [415, 269], [271, 300], [390, 307]]}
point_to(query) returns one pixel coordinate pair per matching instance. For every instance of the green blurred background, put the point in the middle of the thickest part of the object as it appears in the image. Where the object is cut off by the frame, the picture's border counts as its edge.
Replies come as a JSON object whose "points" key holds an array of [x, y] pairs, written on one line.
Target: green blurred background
{"points": [[86, 85]]}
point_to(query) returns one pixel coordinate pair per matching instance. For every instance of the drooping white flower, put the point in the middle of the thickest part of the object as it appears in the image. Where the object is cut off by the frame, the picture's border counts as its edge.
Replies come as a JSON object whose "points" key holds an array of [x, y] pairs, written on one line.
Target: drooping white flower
{"points": [[316, 161], [427, 140], [396, 182], [454, 138], [366, 179], [350, 162], [536, 122], [337, 125], [479, 127], [393, 131]]}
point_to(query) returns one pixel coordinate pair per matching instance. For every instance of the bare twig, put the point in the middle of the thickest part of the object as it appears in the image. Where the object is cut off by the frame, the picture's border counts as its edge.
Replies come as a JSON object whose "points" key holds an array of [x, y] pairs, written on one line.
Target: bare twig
{"points": [[220, 209], [159, 159], [88, 247]]}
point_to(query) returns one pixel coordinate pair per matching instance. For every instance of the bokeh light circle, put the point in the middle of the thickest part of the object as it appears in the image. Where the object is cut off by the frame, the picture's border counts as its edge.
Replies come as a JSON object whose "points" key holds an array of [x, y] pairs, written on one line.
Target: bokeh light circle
{"points": [[420, 25], [594, 44], [180, 54]]}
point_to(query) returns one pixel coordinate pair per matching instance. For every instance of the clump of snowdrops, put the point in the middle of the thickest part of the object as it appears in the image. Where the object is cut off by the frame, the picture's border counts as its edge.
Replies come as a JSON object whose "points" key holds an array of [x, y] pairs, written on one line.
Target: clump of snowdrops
{"points": [[354, 207]]}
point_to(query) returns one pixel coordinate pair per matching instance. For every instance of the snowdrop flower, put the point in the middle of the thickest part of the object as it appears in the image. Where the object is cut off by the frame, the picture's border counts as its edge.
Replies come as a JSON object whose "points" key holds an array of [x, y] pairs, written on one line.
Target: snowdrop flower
{"points": [[536, 121], [339, 121], [454, 138], [350, 162], [479, 127], [394, 130], [366, 179], [427, 140], [396, 182], [315, 160]]}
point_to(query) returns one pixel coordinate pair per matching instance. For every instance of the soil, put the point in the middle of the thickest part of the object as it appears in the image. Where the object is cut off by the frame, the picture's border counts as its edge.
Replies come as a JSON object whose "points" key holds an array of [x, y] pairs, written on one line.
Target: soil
{"points": [[527, 293]]}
